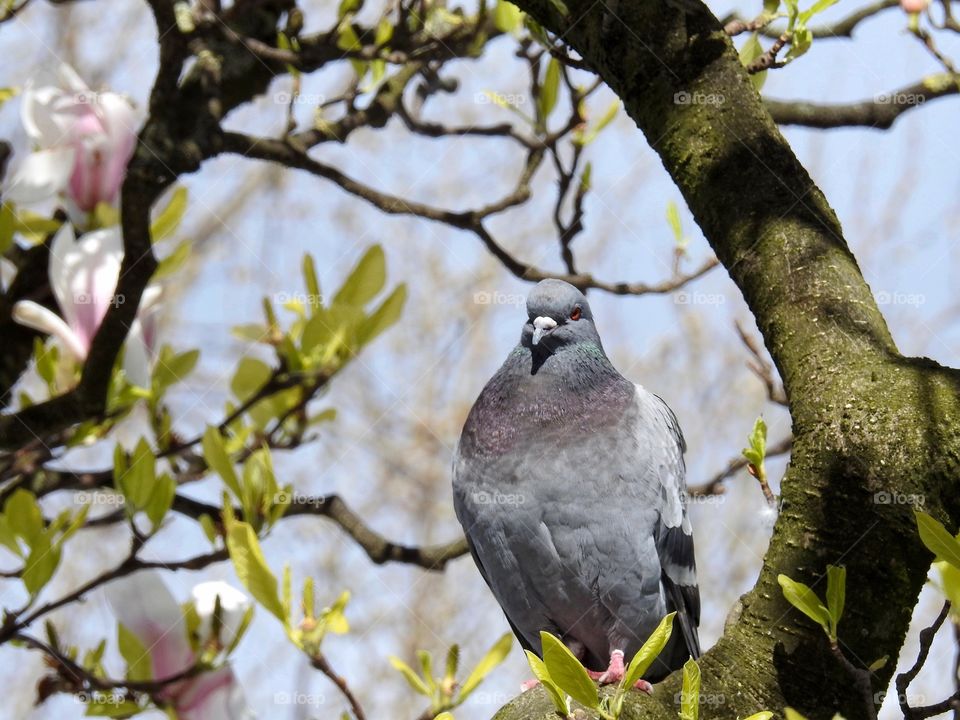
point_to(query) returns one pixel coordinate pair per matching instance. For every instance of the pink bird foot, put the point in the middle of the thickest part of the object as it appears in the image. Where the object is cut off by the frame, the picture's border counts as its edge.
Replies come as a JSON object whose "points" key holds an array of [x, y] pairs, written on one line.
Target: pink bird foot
{"points": [[528, 684], [615, 672]]}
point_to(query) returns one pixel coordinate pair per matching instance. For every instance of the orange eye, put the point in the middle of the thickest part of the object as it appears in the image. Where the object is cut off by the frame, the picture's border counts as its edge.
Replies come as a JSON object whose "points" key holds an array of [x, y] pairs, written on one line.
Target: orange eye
{"points": [[575, 315]]}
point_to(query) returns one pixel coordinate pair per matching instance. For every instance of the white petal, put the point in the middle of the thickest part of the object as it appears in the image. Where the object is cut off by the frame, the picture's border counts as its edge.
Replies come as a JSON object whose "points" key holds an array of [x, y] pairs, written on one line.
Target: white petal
{"points": [[70, 80], [41, 175], [8, 271], [136, 357], [36, 316], [144, 605]]}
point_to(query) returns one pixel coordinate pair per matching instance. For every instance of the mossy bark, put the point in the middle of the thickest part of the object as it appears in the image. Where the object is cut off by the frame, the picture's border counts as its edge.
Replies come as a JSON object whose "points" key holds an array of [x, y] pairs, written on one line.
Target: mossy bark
{"points": [[866, 419]]}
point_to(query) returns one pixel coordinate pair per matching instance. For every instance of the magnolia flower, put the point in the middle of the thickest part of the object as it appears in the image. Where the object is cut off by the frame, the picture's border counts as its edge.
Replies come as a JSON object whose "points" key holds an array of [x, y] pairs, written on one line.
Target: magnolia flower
{"points": [[145, 607], [233, 607], [82, 142], [83, 277]]}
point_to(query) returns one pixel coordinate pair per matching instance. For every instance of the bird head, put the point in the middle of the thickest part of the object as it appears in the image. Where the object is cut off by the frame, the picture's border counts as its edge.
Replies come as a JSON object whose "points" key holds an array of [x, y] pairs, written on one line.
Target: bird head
{"points": [[558, 315]]}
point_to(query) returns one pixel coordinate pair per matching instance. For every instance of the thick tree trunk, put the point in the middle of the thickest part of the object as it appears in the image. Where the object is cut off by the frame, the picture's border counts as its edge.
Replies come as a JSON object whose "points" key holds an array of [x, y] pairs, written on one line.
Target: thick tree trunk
{"points": [[866, 419]]}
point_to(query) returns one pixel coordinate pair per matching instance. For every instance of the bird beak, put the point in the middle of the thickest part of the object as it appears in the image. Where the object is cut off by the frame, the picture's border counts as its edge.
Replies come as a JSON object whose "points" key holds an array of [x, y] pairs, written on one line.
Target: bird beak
{"points": [[540, 326]]}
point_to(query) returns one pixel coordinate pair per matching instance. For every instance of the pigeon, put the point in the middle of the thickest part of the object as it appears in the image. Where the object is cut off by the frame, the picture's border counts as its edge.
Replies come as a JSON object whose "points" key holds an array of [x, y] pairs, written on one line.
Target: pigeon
{"points": [[568, 480]]}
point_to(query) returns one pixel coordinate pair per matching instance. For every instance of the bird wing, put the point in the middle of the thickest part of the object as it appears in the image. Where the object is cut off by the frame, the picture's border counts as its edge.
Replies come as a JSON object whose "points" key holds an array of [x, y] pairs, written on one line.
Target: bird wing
{"points": [[673, 534]]}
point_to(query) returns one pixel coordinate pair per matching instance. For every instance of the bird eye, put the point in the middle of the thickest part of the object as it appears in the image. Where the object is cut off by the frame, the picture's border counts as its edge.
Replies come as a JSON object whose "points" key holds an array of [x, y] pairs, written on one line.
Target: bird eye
{"points": [[575, 315]]}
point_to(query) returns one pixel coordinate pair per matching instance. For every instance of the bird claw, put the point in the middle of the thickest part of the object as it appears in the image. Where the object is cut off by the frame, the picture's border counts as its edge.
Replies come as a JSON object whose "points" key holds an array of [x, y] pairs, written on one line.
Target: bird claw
{"points": [[528, 684], [615, 672]]}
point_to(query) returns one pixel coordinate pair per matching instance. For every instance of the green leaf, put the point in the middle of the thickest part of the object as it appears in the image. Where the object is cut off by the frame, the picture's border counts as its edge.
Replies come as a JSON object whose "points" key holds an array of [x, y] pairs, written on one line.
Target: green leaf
{"points": [[334, 616], [788, 712], [800, 42], [161, 499], [541, 673], [426, 667], [209, 528], [138, 481], [750, 51], [649, 652], [6, 93], [347, 39], [172, 368], [816, 8], [836, 595], [938, 541], [365, 281], [41, 564], [6, 227], [411, 677], [249, 378], [762, 715], [805, 600], [33, 225], [757, 452], [549, 90], [567, 672], [384, 316], [495, 655], [690, 694], [8, 538], [168, 220], [453, 660], [113, 708], [384, 32], [173, 261], [23, 516], [310, 280], [135, 654], [252, 569], [673, 219], [347, 6], [215, 453], [507, 17]]}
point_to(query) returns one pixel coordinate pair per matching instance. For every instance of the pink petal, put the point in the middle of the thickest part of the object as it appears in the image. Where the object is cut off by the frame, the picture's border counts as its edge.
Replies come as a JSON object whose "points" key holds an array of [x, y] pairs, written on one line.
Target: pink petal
{"points": [[83, 275], [144, 605], [213, 696]]}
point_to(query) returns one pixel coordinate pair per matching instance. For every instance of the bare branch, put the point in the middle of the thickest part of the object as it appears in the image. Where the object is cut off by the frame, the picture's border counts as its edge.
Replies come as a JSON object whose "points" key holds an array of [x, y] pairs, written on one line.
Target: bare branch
{"points": [[879, 112]]}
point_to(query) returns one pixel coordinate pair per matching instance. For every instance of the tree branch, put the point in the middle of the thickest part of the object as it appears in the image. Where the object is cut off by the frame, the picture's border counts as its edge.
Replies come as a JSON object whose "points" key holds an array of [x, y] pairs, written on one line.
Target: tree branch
{"points": [[879, 112]]}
